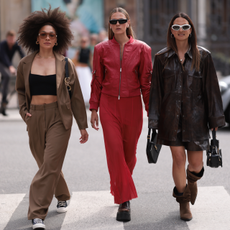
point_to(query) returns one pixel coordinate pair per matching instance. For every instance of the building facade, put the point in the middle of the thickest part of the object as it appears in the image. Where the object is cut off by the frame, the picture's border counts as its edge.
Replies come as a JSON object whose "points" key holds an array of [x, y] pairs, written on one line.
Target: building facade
{"points": [[150, 19]]}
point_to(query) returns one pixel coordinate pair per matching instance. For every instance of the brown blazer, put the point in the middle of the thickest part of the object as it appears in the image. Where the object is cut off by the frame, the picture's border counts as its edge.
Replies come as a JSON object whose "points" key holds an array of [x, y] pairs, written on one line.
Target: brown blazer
{"points": [[67, 106]]}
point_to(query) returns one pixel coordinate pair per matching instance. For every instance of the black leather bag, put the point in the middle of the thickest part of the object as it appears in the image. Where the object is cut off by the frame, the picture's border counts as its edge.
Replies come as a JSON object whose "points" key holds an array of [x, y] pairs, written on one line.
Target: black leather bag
{"points": [[214, 155], [152, 149]]}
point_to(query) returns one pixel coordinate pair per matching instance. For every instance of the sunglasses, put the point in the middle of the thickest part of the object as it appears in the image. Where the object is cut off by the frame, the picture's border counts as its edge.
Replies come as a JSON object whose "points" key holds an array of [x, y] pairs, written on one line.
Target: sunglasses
{"points": [[184, 27], [44, 35], [121, 21]]}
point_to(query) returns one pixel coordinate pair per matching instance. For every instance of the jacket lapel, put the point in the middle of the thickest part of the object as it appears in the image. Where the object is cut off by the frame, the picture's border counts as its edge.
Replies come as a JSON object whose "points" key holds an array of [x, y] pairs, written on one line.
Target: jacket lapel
{"points": [[26, 72], [60, 66]]}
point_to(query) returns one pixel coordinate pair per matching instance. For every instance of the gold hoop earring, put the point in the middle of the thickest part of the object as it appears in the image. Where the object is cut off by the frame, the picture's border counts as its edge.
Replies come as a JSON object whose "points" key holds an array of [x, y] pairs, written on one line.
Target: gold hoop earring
{"points": [[37, 42]]}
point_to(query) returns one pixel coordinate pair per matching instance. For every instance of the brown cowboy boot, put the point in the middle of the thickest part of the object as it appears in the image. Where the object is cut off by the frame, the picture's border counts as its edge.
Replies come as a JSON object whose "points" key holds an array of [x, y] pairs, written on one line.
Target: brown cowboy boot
{"points": [[183, 200], [192, 183]]}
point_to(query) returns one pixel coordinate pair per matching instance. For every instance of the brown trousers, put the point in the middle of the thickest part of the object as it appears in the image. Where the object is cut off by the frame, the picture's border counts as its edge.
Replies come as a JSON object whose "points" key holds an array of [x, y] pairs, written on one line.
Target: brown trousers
{"points": [[48, 141]]}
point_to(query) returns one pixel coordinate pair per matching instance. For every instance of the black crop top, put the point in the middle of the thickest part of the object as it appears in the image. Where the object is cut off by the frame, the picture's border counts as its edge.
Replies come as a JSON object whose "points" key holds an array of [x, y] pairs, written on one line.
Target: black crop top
{"points": [[42, 85]]}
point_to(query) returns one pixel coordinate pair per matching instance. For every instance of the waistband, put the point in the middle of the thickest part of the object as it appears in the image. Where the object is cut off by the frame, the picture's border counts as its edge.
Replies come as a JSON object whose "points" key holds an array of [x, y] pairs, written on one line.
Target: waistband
{"points": [[44, 106]]}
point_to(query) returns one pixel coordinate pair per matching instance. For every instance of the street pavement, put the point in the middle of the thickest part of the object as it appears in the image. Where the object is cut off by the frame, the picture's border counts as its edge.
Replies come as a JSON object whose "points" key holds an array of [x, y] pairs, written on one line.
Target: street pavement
{"points": [[91, 206]]}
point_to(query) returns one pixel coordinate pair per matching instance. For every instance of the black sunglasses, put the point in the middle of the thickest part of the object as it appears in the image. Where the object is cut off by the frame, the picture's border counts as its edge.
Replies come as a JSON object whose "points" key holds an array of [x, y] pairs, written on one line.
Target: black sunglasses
{"points": [[121, 21]]}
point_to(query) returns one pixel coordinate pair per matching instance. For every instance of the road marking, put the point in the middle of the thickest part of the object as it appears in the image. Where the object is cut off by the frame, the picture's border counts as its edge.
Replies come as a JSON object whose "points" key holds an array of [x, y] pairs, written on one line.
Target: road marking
{"points": [[8, 204], [211, 210], [91, 211]]}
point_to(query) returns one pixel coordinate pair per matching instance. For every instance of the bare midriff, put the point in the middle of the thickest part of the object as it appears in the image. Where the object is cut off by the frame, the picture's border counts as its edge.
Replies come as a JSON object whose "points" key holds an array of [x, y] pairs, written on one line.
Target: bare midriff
{"points": [[43, 99]]}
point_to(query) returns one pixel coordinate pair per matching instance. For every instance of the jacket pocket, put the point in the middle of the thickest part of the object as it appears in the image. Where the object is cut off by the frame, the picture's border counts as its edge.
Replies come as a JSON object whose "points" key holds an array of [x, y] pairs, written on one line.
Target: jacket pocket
{"points": [[169, 79], [195, 83]]}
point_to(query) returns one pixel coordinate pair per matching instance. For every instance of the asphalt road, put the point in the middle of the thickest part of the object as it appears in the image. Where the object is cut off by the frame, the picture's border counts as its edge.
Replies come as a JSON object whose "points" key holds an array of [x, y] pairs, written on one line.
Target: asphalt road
{"points": [[91, 206]]}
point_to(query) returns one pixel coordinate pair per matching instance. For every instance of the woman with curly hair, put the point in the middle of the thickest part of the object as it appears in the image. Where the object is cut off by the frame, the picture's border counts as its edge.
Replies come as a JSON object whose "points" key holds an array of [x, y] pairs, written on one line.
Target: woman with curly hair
{"points": [[47, 107]]}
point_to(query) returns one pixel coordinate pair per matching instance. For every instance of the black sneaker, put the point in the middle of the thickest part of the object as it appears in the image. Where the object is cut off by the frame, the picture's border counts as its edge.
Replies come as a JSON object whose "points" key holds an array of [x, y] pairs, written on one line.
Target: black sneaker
{"points": [[38, 223], [62, 206]]}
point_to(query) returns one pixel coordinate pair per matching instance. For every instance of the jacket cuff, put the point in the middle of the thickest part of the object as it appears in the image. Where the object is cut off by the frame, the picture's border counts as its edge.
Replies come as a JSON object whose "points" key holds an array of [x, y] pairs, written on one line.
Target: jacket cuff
{"points": [[153, 124], [93, 105], [217, 122]]}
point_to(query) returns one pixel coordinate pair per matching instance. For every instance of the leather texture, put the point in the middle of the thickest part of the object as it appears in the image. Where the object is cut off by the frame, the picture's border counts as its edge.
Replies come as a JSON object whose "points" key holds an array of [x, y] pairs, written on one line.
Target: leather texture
{"points": [[128, 77], [180, 92]]}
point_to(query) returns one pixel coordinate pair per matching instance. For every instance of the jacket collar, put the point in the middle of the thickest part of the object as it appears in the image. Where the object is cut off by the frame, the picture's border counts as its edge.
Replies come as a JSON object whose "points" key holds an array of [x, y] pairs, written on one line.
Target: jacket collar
{"points": [[131, 40], [172, 52], [28, 60]]}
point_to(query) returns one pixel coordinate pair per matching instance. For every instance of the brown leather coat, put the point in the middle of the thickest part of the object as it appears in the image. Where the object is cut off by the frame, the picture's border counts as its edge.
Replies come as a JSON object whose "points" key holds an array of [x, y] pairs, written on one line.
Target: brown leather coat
{"points": [[181, 93], [67, 107]]}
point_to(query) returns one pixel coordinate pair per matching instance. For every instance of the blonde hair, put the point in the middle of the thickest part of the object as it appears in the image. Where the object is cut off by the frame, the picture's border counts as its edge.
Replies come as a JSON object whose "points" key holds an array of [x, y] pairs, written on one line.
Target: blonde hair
{"points": [[129, 30]]}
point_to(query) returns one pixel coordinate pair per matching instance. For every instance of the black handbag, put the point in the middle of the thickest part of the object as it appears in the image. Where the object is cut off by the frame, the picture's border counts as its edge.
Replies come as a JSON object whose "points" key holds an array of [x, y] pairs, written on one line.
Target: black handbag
{"points": [[67, 83], [214, 155], [152, 148]]}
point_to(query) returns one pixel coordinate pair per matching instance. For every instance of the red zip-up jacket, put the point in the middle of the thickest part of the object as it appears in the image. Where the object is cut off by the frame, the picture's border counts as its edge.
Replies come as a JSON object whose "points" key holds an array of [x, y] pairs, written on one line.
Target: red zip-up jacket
{"points": [[128, 77]]}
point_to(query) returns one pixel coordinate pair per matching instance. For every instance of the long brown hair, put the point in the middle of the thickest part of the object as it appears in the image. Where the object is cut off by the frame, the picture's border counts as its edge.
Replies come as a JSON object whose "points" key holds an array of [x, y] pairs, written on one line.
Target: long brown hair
{"points": [[129, 30], [192, 40]]}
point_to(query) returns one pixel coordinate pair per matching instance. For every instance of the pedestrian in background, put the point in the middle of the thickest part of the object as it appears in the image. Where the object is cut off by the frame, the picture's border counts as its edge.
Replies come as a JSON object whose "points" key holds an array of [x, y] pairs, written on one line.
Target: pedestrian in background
{"points": [[8, 48], [83, 59], [47, 108], [122, 69], [185, 102]]}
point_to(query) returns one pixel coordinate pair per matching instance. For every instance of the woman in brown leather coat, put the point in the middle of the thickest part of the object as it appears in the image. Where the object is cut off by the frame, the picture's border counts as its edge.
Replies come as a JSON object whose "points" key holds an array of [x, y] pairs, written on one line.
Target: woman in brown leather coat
{"points": [[185, 102]]}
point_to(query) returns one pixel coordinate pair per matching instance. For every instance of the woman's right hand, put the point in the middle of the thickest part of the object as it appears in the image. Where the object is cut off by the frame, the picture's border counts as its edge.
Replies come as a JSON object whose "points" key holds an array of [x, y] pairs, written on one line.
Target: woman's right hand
{"points": [[94, 119], [28, 115]]}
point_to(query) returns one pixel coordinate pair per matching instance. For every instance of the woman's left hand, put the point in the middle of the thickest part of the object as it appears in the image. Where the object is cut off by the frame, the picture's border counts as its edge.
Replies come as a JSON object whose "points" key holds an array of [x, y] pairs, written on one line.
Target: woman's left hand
{"points": [[215, 129], [84, 136]]}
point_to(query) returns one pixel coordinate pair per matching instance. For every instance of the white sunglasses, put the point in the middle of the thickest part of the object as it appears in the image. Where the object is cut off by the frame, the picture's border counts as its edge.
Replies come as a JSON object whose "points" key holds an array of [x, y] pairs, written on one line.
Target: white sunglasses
{"points": [[184, 27]]}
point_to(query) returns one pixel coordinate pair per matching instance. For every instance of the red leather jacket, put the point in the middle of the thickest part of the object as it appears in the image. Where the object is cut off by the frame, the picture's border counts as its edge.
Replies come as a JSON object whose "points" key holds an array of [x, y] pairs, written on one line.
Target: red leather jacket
{"points": [[121, 78]]}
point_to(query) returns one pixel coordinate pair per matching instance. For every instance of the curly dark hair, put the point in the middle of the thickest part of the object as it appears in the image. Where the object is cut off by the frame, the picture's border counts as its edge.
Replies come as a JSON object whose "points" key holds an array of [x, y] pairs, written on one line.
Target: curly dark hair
{"points": [[29, 29]]}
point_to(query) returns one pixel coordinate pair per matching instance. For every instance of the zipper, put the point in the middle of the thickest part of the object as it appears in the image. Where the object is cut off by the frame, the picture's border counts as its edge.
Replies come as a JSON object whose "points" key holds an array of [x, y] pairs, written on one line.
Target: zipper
{"points": [[119, 96]]}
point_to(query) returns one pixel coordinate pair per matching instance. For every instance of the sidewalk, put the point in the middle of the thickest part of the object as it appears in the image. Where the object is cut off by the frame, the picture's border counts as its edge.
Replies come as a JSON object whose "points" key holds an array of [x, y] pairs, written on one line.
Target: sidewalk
{"points": [[12, 111]]}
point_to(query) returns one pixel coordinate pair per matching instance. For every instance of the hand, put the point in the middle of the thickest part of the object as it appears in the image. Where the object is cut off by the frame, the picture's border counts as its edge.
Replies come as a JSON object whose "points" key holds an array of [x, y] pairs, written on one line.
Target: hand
{"points": [[12, 70], [94, 119], [28, 115], [84, 136], [215, 129]]}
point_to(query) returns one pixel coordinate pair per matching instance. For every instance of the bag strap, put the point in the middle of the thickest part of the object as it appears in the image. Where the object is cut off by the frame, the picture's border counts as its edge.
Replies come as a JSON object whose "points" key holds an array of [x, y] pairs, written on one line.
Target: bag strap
{"points": [[214, 134], [67, 77], [149, 134]]}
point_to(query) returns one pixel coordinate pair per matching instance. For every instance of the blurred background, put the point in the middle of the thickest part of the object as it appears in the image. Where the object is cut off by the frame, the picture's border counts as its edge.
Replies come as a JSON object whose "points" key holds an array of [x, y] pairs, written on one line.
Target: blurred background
{"points": [[150, 18]]}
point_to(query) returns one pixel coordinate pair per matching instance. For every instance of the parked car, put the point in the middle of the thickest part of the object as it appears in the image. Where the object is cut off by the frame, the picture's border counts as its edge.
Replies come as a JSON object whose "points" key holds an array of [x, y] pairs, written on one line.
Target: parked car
{"points": [[224, 84]]}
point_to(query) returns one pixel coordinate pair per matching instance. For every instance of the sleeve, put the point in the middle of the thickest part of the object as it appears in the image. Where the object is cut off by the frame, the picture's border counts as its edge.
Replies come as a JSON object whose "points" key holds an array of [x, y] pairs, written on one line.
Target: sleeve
{"points": [[3, 55], [20, 88], [21, 53], [156, 94], [213, 97], [77, 101], [145, 71], [98, 76]]}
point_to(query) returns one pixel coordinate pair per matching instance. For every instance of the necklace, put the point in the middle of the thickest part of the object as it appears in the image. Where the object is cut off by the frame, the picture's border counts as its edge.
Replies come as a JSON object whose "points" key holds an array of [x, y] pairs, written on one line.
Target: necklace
{"points": [[181, 60]]}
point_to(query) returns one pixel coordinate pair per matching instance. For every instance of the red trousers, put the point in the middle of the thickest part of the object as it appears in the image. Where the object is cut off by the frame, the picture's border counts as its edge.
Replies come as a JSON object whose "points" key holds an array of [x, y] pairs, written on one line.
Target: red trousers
{"points": [[122, 124]]}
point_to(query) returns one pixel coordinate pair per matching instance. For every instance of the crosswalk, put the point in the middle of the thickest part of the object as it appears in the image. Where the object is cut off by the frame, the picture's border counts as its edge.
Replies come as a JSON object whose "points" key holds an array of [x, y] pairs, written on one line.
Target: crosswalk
{"points": [[7, 208], [94, 210]]}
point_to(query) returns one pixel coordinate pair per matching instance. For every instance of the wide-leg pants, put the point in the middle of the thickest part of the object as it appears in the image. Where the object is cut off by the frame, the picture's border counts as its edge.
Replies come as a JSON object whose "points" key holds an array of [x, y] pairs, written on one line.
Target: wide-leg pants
{"points": [[48, 141], [122, 123]]}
